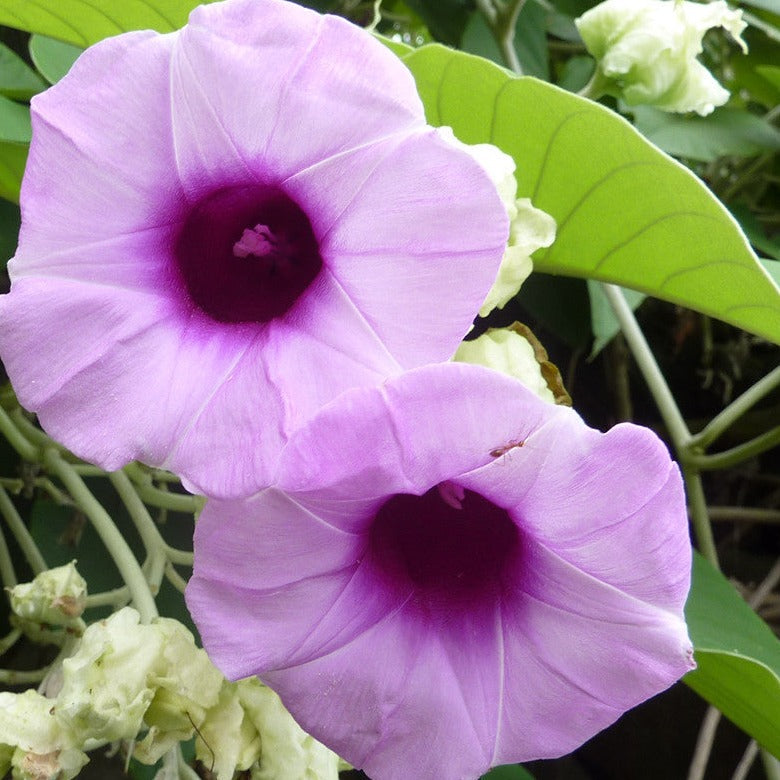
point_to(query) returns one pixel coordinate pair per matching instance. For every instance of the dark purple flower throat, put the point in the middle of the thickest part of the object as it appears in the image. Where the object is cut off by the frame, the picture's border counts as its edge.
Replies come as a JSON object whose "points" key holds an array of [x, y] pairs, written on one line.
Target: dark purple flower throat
{"points": [[246, 254], [448, 541]]}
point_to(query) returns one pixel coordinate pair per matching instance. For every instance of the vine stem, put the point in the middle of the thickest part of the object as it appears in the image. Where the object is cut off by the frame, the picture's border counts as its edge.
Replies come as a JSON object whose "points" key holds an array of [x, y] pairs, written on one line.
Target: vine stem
{"points": [[7, 571], [734, 456], [152, 541], [664, 399], [502, 20], [28, 451], [736, 409], [123, 557], [20, 532]]}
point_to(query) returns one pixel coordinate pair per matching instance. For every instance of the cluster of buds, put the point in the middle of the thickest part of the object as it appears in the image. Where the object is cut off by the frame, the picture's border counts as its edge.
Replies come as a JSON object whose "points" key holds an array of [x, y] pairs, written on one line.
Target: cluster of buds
{"points": [[148, 686]]}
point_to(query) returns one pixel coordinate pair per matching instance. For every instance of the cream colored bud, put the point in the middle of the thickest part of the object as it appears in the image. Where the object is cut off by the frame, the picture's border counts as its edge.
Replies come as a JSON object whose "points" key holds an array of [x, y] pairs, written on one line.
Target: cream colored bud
{"points": [[646, 51], [56, 597], [288, 751]]}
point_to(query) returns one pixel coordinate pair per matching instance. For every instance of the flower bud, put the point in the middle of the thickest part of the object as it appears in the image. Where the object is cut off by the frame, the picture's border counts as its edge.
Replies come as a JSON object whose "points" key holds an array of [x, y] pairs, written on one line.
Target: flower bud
{"points": [[56, 596], [530, 228], [105, 687], [288, 751], [228, 741], [56, 765], [505, 350], [646, 51], [33, 741]]}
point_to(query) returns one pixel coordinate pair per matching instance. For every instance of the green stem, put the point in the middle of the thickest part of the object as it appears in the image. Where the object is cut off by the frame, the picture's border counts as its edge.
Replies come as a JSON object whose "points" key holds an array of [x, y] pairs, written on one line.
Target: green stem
{"points": [[123, 557], [9, 640], [664, 399], [109, 598], [175, 578], [697, 508], [721, 422], [746, 514], [771, 765], [502, 21], [153, 542], [16, 440], [21, 533], [7, 571], [736, 455], [176, 502], [15, 677], [179, 557]]}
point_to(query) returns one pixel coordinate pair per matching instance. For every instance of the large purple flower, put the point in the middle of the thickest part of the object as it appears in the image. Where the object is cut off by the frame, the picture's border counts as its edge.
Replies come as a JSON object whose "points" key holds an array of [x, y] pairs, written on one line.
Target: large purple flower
{"points": [[451, 574], [224, 228]]}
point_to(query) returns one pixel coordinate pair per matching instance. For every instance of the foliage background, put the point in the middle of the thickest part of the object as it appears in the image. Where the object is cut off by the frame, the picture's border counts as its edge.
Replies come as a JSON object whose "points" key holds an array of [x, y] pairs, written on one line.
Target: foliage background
{"points": [[707, 360]]}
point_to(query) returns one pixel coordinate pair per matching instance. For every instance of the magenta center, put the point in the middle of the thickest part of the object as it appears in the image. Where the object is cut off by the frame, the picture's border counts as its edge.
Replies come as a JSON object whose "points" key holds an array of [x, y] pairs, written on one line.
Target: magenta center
{"points": [[448, 540], [246, 254]]}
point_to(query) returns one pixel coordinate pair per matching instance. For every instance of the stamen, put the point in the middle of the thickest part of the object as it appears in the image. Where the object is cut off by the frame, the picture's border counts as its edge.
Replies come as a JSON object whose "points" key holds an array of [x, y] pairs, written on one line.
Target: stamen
{"points": [[259, 241], [452, 494]]}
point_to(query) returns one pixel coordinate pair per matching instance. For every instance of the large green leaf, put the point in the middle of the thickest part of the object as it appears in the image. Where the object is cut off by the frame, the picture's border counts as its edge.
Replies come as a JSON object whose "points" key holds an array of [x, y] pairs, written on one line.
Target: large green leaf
{"points": [[83, 22], [14, 121], [13, 158], [737, 654], [17, 79], [728, 131], [53, 58], [626, 212]]}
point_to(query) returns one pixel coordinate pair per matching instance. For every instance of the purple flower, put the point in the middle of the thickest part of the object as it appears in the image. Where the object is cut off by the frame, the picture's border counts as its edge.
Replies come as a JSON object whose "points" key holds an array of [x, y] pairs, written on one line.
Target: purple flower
{"points": [[227, 226], [451, 574]]}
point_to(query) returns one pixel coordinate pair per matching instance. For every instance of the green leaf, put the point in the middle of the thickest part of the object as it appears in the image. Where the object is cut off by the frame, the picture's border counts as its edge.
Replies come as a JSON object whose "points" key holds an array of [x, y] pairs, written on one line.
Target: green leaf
{"points": [[508, 772], [727, 131], [603, 322], [626, 212], [53, 58], [737, 654], [14, 122], [84, 22], [13, 158], [17, 79]]}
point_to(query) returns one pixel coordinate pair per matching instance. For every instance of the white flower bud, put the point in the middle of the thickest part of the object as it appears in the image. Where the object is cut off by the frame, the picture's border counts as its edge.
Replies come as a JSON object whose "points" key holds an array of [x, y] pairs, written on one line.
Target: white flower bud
{"points": [[57, 765], [530, 228], [186, 685], [228, 740], [56, 597], [105, 686], [33, 741], [289, 753], [505, 350], [646, 51]]}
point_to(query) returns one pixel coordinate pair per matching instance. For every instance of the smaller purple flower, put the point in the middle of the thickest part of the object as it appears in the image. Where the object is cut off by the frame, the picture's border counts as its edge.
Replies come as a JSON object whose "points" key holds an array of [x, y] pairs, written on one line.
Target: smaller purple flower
{"points": [[451, 574], [224, 228]]}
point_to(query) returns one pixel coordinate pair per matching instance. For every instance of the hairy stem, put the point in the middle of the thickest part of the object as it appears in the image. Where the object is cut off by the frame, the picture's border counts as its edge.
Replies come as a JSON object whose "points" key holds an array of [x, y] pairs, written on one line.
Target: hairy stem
{"points": [[22, 535], [736, 409], [123, 557]]}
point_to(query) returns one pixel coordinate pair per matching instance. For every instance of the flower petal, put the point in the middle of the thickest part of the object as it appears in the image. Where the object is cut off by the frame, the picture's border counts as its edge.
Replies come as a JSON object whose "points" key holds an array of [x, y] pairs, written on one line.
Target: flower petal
{"points": [[557, 485], [573, 644], [442, 234], [91, 154], [424, 694], [223, 90], [420, 428]]}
